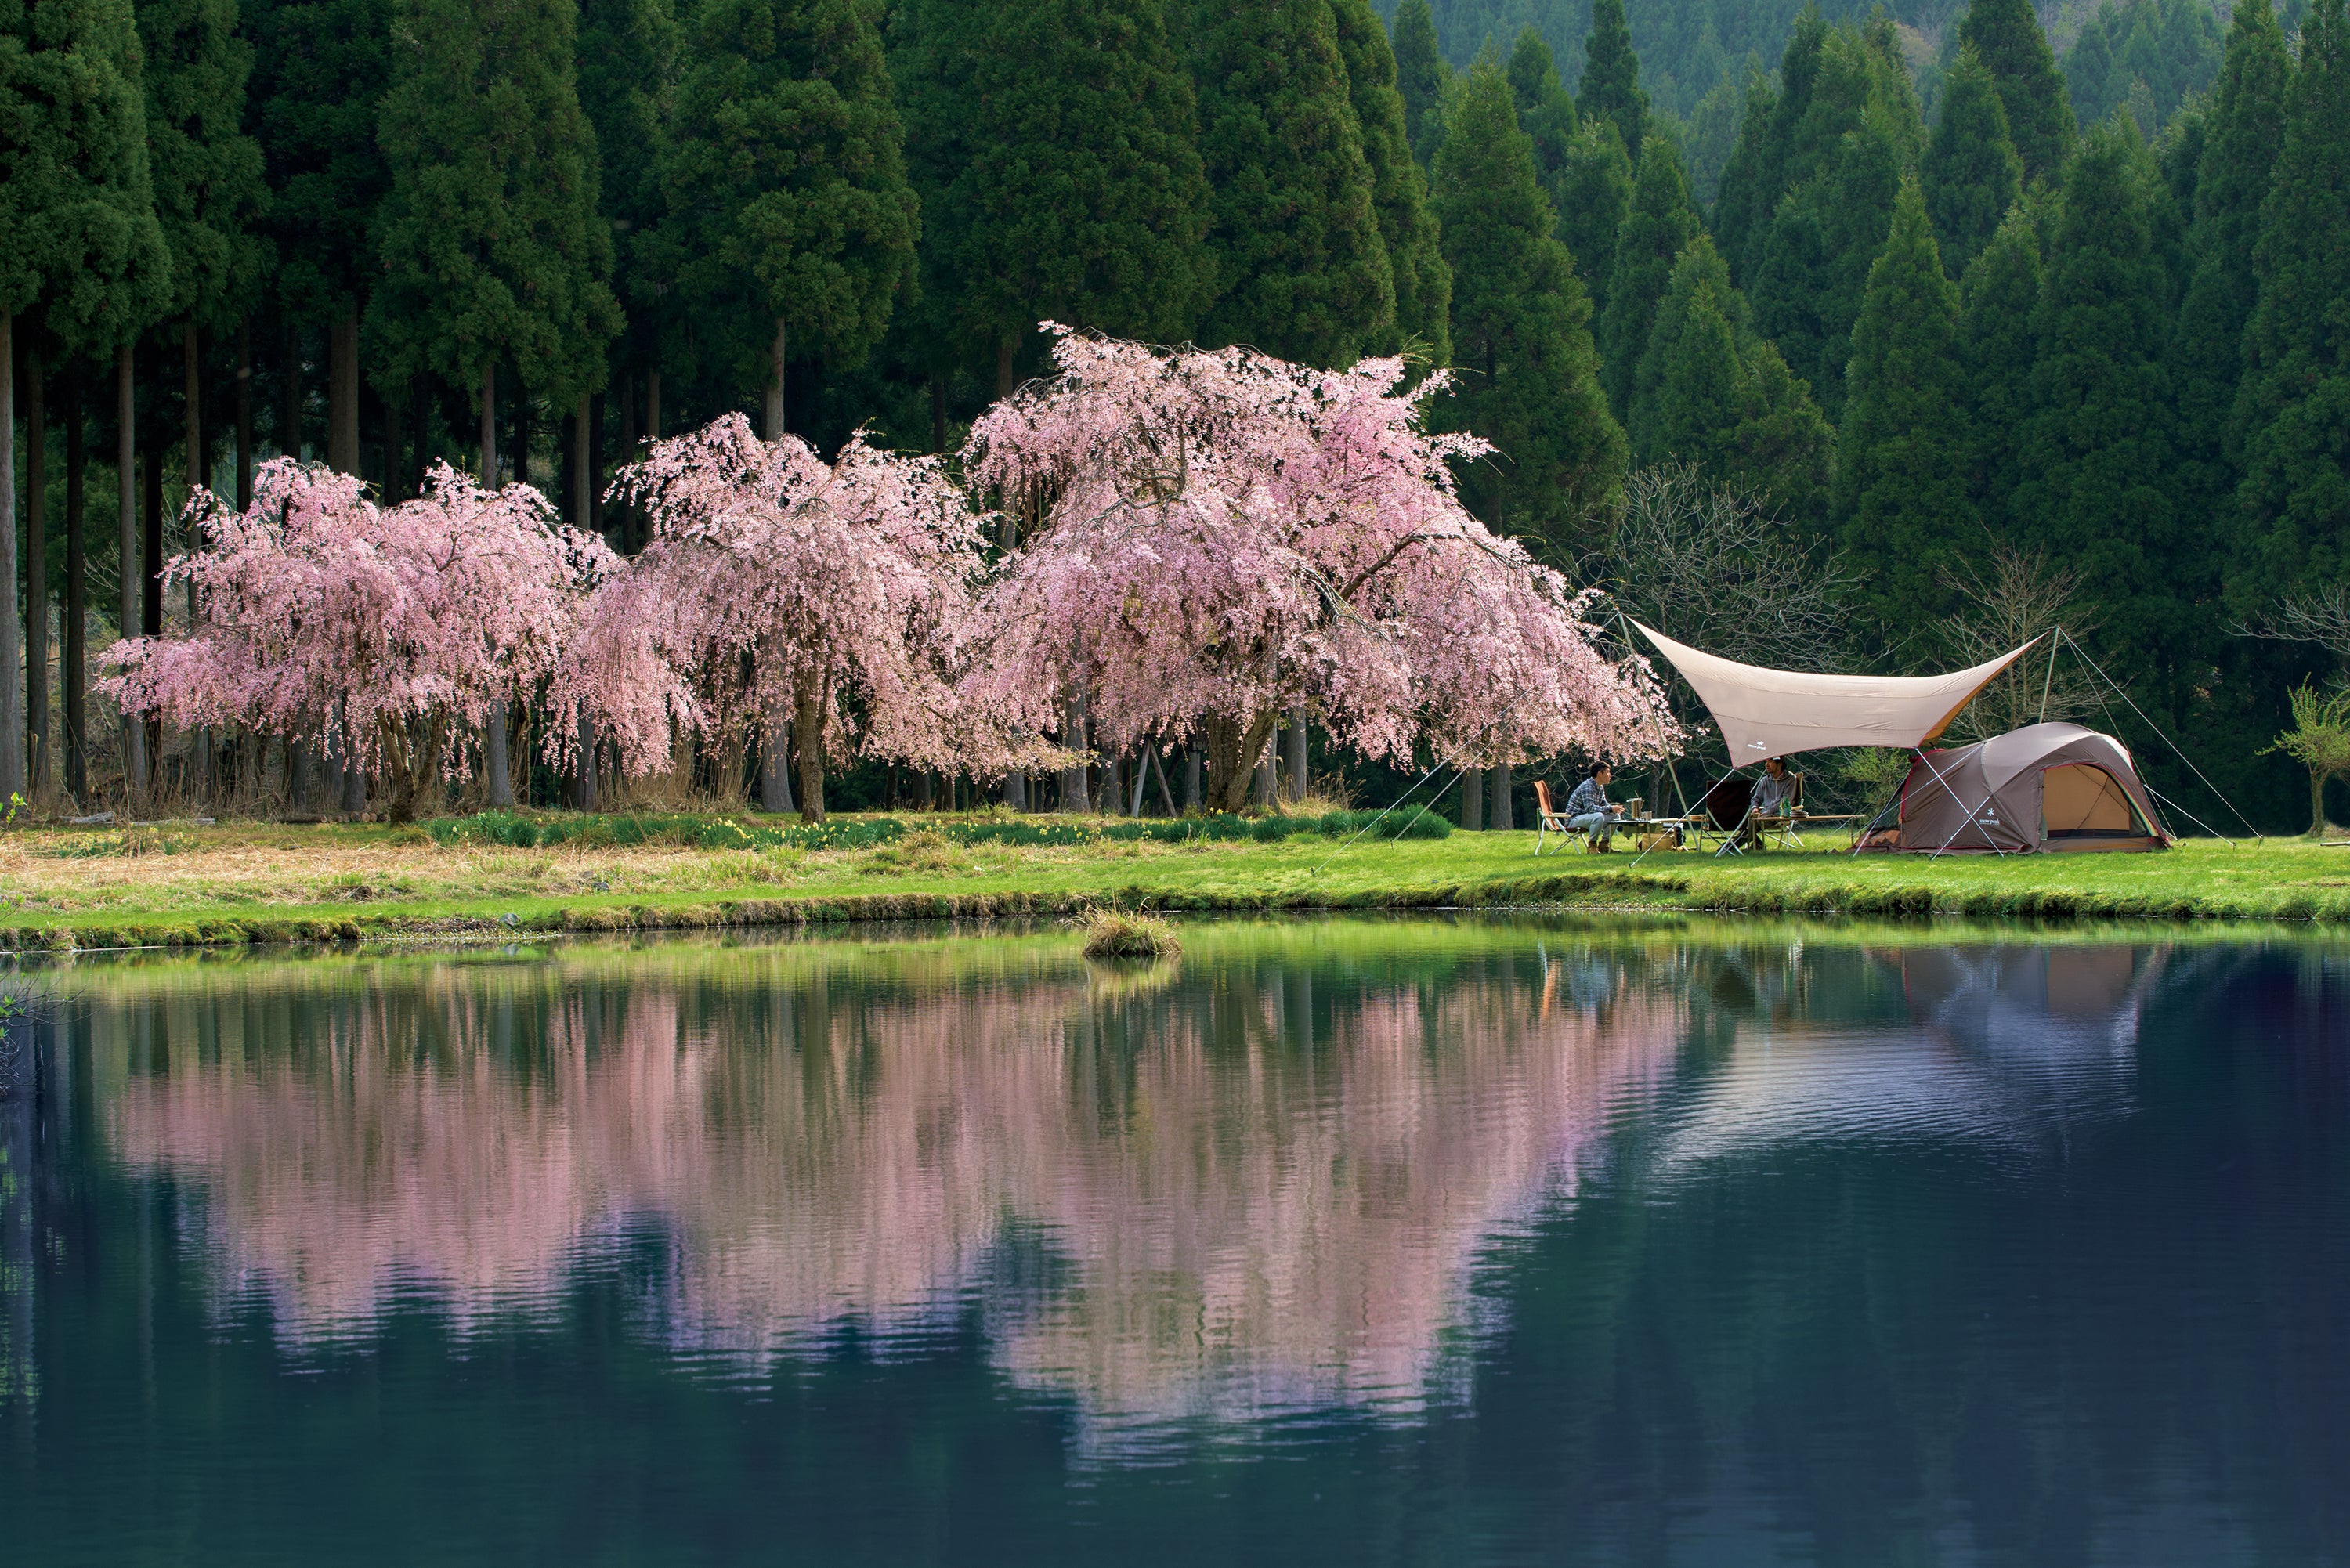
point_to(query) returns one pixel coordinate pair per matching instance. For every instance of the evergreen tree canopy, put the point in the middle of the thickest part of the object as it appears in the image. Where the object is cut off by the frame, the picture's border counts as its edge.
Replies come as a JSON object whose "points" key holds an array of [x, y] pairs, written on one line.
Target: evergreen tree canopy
{"points": [[1656, 229], [1300, 271], [2294, 405], [1845, 159], [1053, 145], [80, 248], [627, 65], [1712, 392], [786, 184], [1752, 175], [1970, 172], [491, 241], [1408, 226], [2001, 293], [1593, 191], [1521, 328], [1901, 498], [2006, 37], [207, 173], [2244, 139], [320, 70], [2168, 49], [1546, 109], [1610, 89], [2095, 490], [1421, 69]]}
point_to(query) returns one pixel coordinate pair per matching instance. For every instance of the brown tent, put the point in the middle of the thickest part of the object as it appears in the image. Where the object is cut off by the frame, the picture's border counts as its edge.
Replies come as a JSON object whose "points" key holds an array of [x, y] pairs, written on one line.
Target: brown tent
{"points": [[2043, 787]]}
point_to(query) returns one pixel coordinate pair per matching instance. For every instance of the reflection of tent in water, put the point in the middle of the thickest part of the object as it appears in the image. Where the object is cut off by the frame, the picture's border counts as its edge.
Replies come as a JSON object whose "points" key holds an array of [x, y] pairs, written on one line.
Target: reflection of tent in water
{"points": [[2042, 787]]}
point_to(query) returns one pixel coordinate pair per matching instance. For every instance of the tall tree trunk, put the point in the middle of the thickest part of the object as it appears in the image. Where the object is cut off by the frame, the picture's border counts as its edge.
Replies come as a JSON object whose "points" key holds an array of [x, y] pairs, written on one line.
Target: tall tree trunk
{"points": [[579, 480], [1472, 800], [520, 456], [1267, 782], [72, 677], [494, 734], [40, 769], [585, 789], [420, 419], [126, 474], [595, 444], [1007, 351], [12, 675], [774, 410], [1073, 779], [807, 737], [243, 412], [629, 542], [355, 779], [191, 365], [937, 414], [653, 404], [392, 468], [1191, 803], [1500, 813], [289, 394], [343, 392], [1294, 765], [2316, 803], [151, 554], [1016, 791], [775, 770]]}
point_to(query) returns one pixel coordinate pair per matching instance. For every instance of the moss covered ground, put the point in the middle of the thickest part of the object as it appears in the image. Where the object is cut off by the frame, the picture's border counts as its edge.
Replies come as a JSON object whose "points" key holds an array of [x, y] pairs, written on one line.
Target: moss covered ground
{"points": [[254, 882]]}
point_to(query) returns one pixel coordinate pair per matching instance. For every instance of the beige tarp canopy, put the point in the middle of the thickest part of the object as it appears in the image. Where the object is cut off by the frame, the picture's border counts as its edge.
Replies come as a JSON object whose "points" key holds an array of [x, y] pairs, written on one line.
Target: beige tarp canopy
{"points": [[1767, 713]]}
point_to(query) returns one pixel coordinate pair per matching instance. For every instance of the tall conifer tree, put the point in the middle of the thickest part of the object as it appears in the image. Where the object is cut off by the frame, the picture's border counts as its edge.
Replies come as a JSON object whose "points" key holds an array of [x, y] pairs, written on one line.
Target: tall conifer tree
{"points": [[1408, 226], [1300, 271], [1756, 175], [1712, 391], [207, 173], [81, 253], [1900, 480], [1610, 88], [1593, 191], [2005, 36], [1546, 109], [1970, 172], [1420, 70], [629, 52], [2000, 295], [2244, 139], [1655, 231], [786, 183], [2095, 489], [1053, 145], [2295, 404], [320, 70], [1521, 328]]}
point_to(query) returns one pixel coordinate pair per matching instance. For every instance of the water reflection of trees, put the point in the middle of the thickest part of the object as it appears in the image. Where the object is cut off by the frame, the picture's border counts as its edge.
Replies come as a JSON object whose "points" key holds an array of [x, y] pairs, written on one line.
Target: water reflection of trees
{"points": [[1258, 1186]]}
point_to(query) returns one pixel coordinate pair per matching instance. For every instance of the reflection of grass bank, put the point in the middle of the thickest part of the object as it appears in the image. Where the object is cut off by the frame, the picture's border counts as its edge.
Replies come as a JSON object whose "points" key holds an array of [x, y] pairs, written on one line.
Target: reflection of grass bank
{"points": [[260, 883]]}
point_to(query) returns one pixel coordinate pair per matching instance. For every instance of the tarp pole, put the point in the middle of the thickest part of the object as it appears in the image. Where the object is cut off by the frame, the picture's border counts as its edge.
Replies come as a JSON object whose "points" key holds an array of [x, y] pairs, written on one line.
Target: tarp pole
{"points": [[2048, 682]]}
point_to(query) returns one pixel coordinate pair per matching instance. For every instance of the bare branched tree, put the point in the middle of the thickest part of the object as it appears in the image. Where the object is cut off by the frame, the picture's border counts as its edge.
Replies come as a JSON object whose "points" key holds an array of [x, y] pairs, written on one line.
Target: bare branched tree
{"points": [[1716, 566], [2010, 600], [2320, 615]]}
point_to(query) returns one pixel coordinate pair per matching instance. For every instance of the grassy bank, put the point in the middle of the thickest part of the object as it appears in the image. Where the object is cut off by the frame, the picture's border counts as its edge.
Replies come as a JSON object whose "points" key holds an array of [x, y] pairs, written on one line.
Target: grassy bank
{"points": [[236, 883]]}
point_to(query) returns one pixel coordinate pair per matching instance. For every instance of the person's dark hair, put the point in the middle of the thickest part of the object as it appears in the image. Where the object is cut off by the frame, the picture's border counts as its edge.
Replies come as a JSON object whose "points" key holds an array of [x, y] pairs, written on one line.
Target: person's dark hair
{"points": [[1596, 769]]}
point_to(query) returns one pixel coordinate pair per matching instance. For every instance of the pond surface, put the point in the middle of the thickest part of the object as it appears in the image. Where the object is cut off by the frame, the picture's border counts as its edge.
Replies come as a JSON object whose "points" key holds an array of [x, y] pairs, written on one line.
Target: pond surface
{"points": [[1336, 1242]]}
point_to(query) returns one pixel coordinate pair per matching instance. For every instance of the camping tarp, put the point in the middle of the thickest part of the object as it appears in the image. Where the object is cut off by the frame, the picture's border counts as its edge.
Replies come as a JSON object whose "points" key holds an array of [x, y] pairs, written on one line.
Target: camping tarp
{"points": [[1766, 714], [2043, 787]]}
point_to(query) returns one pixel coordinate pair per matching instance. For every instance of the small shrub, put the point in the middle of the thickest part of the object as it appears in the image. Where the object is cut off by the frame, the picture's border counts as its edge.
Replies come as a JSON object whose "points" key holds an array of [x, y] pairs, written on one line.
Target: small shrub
{"points": [[1115, 934]]}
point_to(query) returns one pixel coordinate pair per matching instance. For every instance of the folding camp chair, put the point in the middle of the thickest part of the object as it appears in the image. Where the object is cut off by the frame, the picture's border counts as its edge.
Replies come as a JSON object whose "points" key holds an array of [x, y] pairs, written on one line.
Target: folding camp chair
{"points": [[1720, 817], [1547, 817]]}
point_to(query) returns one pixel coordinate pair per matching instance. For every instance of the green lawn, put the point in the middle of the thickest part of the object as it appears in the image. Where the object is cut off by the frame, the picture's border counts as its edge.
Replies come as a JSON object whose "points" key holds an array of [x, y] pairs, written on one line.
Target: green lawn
{"points": [[256, 882]]}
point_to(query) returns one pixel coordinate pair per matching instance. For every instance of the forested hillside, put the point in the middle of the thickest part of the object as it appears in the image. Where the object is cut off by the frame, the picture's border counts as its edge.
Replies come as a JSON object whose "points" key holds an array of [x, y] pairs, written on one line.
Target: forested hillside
{"points": [[1860, 340]]}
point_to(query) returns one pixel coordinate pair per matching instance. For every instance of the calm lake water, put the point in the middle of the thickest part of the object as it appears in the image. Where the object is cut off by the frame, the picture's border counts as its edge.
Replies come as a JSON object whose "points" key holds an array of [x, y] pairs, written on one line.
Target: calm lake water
{"points": [[1336, 1242]]}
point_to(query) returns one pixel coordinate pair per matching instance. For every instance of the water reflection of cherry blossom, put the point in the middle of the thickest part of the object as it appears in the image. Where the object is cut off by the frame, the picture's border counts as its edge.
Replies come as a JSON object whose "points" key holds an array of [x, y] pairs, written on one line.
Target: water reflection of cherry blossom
{"points": [[1250, 1195]]}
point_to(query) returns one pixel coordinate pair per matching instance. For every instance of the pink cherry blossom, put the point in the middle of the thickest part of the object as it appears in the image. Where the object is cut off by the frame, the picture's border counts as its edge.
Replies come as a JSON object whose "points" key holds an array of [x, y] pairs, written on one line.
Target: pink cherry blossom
{"points": [[1214, 537], [778, 589], [328, 620]]}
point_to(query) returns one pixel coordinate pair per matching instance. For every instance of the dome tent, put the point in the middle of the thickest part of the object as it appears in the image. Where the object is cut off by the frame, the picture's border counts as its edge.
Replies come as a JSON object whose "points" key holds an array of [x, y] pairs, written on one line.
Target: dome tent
{"points": [[2045, 787]]}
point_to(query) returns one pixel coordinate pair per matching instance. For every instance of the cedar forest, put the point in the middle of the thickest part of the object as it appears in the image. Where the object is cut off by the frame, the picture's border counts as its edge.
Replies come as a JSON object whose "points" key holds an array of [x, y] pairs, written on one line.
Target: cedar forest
{"points": [[1971, 321]]}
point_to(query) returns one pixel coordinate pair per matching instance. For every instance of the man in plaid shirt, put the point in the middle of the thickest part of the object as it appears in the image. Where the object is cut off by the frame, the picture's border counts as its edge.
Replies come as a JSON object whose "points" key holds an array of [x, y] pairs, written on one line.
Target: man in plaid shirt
{"points": [[1588, 809]]}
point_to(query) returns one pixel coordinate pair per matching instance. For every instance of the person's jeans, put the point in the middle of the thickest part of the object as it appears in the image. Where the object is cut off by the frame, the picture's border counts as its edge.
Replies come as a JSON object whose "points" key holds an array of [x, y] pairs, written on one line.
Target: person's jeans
{"points": [[1593, 822]]}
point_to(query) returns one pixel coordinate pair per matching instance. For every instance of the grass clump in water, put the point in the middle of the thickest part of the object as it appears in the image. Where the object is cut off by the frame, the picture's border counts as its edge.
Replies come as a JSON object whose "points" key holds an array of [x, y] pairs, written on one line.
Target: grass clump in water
{"points": [[1117, 934]]}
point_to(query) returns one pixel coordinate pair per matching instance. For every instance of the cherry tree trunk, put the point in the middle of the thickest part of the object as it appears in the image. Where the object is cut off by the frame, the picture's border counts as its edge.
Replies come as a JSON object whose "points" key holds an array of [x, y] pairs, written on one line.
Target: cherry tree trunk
{"points": [[1294, 764], [775, 770], [774, 410], [1472, 801], [808, 736], [343, 394], [1501, 812], [1234, 749]]}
